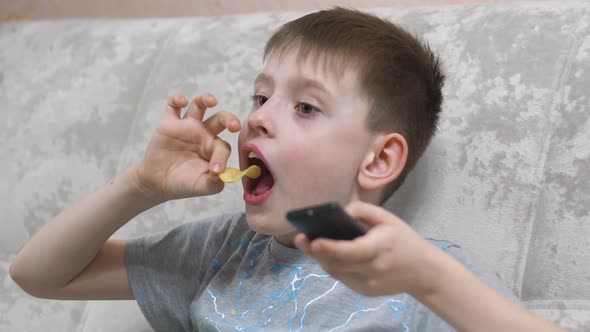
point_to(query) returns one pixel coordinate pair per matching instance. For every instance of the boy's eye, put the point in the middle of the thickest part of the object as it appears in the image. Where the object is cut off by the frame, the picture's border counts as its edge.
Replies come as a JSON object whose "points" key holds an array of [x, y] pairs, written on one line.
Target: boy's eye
{"points": [[259, 100], [306, 109]]}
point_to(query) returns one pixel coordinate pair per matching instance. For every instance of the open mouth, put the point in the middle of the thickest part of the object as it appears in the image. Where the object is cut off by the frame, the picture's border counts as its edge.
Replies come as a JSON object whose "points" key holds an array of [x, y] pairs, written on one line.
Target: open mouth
{"points": [[262, 184]]}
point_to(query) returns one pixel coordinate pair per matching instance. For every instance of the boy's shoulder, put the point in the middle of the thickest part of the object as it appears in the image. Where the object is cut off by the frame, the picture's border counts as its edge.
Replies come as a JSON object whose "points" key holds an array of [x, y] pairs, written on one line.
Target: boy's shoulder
{"points": [[227, 222], [443, 244], [203, 234], [216, 229], [468, 260], [225, 219], [232, 218]]}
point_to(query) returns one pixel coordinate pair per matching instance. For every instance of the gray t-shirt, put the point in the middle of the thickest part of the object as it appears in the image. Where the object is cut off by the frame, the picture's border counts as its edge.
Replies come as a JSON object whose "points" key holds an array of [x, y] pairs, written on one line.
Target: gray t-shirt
{"points": [[219, 275]]}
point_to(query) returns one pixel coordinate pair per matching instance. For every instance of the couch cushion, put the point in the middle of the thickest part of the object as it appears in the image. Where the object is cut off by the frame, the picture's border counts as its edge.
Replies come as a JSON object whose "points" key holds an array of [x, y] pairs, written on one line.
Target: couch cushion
{"points": [[506, 176]]}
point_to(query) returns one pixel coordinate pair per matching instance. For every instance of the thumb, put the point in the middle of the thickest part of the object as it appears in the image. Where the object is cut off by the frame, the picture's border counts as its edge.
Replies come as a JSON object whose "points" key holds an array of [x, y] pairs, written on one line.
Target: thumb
{"points": [[209, 184]]}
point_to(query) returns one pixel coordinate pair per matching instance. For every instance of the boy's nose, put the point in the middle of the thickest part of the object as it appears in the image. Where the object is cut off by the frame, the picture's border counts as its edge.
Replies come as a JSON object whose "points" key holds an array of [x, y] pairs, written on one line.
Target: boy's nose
{"points": [[261, 121]]}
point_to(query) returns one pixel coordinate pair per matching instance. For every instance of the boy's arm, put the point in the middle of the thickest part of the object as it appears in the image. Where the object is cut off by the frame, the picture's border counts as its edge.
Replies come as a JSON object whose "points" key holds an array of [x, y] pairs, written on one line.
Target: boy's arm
{"points": [[468, 304], [392, 258], [70, 257]]}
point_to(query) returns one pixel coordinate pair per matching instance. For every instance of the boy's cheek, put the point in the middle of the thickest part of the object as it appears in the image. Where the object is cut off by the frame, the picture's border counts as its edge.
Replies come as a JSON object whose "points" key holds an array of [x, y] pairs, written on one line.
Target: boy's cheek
{"points": [[303, 165], [294, 154], [311, 177]]}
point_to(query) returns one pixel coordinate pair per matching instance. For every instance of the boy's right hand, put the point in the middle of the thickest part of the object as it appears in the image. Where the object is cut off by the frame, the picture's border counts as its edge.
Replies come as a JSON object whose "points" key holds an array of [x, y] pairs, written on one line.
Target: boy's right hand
{"points": [[185, 155], [390, 259]]}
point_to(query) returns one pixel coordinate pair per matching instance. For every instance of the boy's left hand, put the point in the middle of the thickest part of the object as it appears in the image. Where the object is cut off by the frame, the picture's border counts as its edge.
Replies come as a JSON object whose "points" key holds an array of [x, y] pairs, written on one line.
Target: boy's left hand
{"points": [[391, 258]]}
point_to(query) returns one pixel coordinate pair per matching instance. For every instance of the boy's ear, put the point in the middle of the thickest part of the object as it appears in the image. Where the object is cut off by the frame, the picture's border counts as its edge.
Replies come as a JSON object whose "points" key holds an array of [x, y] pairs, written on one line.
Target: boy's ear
{"points": [[384, 162]]}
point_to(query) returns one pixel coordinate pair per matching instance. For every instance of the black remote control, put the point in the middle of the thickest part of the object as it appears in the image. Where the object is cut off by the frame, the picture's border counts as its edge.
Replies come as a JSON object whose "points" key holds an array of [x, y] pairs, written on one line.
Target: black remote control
{"points": [[326, 220]]}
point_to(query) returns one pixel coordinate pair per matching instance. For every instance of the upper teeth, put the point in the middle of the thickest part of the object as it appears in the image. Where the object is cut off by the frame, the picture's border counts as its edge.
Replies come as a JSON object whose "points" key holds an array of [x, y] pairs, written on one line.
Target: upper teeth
{"points": [[252, 154]]}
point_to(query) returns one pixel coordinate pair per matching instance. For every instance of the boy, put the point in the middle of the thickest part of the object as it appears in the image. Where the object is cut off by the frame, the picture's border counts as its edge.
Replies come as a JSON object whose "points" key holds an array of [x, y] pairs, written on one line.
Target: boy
{"points": [[344, 107]]}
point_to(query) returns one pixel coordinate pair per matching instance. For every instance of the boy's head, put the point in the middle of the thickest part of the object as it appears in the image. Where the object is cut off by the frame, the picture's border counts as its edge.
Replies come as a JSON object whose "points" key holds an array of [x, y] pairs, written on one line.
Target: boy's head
{"points": [[343, 109]]}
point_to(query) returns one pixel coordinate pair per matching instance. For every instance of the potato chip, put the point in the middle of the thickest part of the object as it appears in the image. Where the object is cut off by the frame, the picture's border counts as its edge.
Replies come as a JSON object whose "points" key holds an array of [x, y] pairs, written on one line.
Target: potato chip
{"points": [[231, 174]]}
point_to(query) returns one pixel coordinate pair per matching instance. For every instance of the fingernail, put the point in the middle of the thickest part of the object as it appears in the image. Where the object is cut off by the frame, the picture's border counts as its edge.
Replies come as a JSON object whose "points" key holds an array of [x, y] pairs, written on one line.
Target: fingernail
{"points": [[217, 167], [298, 241]]}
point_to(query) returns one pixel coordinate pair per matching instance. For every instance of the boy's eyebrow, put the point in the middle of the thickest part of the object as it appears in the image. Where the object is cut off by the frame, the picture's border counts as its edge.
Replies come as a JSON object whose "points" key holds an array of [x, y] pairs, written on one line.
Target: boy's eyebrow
{"points": [[263, 78], [298, 82], [307, 83]]}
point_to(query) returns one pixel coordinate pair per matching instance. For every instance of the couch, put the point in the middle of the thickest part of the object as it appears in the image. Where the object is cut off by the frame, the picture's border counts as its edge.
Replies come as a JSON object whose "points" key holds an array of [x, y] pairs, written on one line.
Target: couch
{"points": [[507, 176]]}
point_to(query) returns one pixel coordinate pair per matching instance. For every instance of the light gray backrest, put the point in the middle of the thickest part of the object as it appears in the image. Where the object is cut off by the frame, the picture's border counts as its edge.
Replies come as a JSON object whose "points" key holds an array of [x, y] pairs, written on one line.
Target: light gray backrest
{"points": [[507, 176]]}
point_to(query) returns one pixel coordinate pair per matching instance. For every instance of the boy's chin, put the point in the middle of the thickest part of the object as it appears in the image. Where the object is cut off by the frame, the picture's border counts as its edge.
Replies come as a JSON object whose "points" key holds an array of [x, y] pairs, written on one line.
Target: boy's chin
{"points": [[268, 224]]}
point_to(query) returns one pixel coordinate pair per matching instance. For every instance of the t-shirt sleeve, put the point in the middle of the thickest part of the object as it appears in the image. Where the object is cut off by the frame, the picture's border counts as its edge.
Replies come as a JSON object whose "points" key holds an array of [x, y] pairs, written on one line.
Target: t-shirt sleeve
{"points": [[426, 320], [165, 270], [472, 264]]}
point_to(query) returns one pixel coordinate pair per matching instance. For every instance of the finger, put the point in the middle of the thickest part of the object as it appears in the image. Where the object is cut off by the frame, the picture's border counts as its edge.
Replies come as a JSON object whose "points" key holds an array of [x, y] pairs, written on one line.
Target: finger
{"points": [[301, 241], [220, 155], [360, 250], [334, 266], [176, 103], [199, 105], [370, 214], [219, 121]]}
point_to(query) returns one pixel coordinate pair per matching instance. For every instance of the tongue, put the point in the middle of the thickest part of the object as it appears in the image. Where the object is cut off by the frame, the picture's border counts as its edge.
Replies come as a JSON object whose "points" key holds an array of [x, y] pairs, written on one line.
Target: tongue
{"points": [[263, 186]]}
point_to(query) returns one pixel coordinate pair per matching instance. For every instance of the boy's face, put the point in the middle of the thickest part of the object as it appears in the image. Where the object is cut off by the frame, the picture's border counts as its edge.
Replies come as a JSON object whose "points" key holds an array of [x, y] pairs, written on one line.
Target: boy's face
{"points": [[309, 128]]}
